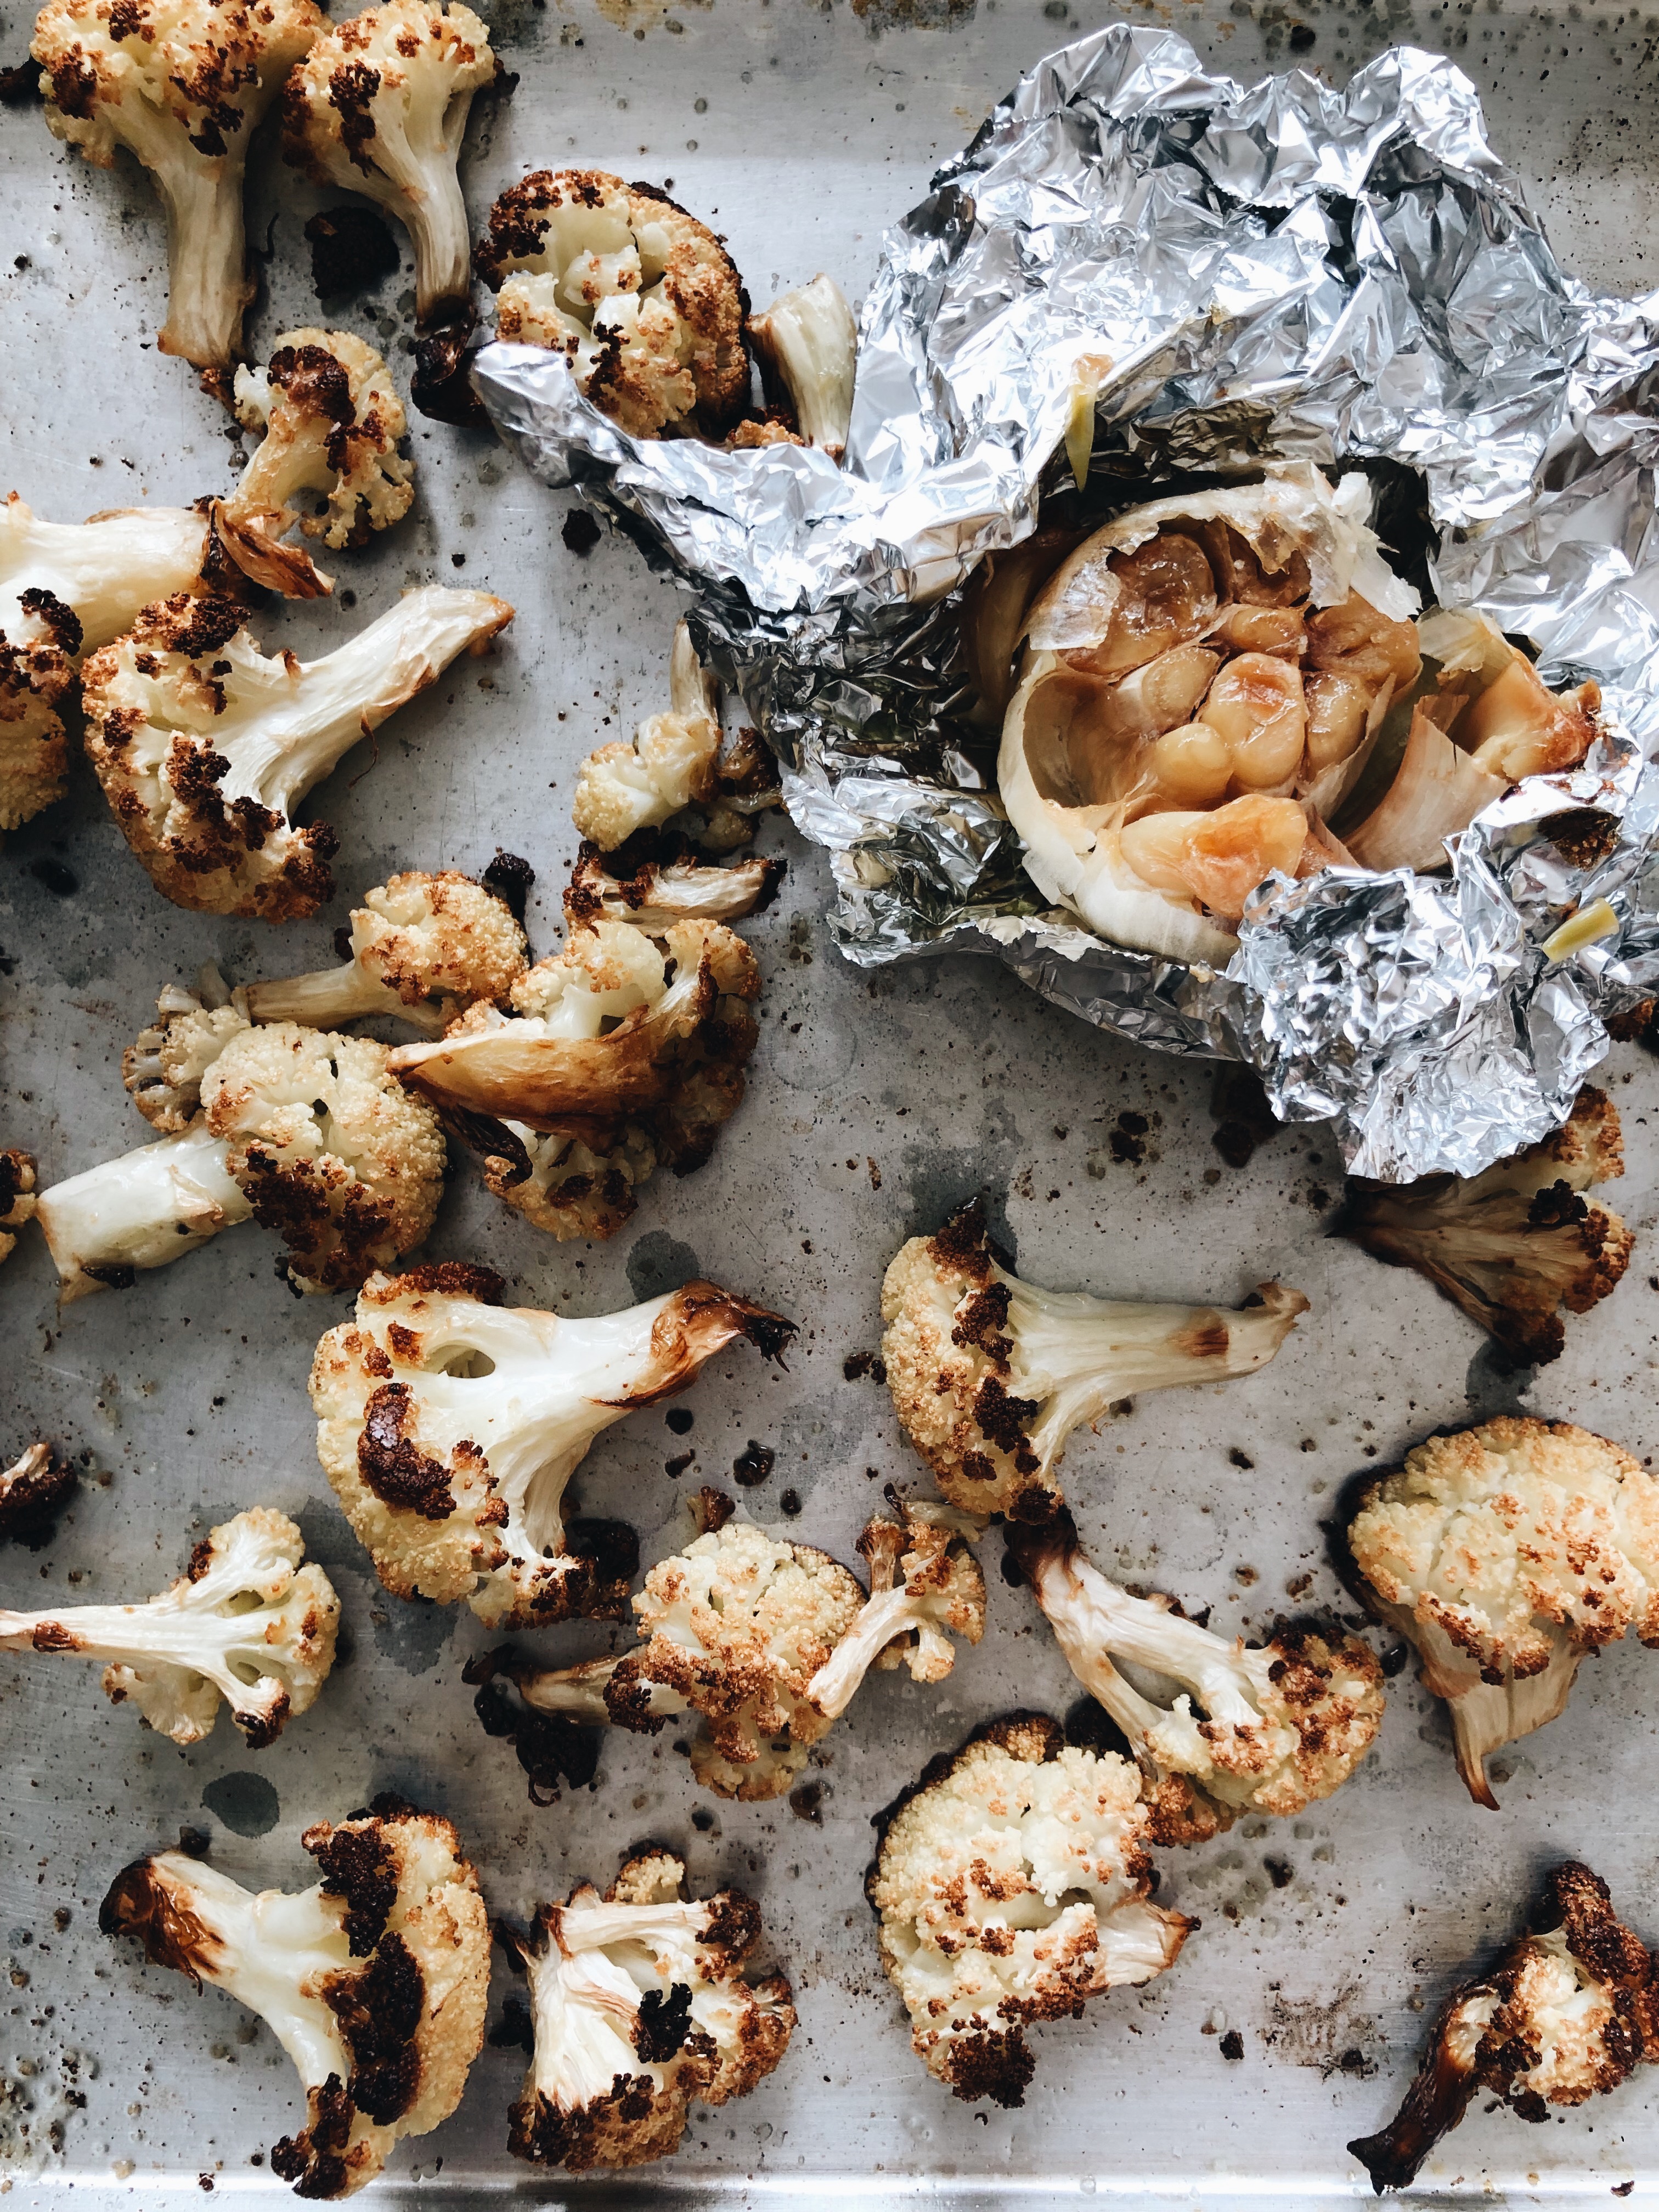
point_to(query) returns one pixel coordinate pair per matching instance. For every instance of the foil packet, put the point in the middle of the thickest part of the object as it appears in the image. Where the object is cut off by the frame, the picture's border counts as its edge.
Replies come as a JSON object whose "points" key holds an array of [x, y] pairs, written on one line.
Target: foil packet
{"points": [[1253, 275]]}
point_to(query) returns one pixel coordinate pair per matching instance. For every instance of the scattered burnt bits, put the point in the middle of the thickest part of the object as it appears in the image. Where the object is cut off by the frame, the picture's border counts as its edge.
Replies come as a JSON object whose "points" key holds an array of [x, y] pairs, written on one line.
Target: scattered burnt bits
{"points": [[751, 1467], [581, 533], [679, 1419], [441, 385], [858, 1364], [512, 880], [1242, 1116], [19, 86], [351, 252], [33, 1492], [1232, 2045]]}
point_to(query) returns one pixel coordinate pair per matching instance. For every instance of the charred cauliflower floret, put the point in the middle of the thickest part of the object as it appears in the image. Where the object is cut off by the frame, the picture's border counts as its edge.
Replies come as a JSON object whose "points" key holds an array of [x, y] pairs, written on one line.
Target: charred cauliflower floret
{"points": [[1504, 1554], [1263, 1728], [204, 747], [379, 107], [246, 1622], [181, 84], [655, 882], [625, 1052], [67, 588], [423, 948], [641, 298], [330, 422], [340, 1160], [305, 1133], [808, 343], [33, 1489], [374, 1982], [641, 2009], [1511, 1245], [450, 1424], [163, 1066], [16, 1197], [767, 1640], [990, 1375], [1012, 1883], [1571, 2010]]}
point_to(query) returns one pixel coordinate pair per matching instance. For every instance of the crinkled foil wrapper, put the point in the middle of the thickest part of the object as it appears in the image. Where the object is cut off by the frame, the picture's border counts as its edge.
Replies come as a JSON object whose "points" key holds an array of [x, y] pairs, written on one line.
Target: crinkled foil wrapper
{"points": [[1276, 272]]}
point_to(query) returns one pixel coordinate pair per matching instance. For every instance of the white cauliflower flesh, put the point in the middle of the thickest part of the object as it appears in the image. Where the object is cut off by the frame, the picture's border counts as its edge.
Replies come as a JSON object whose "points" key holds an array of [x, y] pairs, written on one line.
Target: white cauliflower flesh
{"points": [[1513, 1244], [1570, 2010], [1504, 1554], [181, 84], [375, 1982], [925, 1587], [450, 1424], [641, 298], [17, 1199], [204, 747], [163, 1066], [735, 1628], [247, 1623], [1264, 1727], [808, 343], [639, 2007], [106, 1226], [307, 1133], [424, 948], [379, 107], [990, 1375], [66, 589], [669, 885], [329, 422], [1012, 1883], [625, 1052]]}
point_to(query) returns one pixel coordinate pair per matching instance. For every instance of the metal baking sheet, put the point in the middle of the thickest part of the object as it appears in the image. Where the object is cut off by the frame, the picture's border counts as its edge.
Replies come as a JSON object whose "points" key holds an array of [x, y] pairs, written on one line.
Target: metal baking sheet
{"points": [[875, 1102]]}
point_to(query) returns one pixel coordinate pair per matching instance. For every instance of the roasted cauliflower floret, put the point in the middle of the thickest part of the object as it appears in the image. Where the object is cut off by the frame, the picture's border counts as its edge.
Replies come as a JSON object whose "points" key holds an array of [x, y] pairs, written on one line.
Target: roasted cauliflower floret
{"points": [[655, 882], [181, 84], [422, 947], [570, 1115], [641, 2009], [990, 1375], [1569, 2009], [38, 646], [379, 107], [1504, 1554], [1265, 1727], [330, 421], [33, 1489], [808, 343], [204, 747], [1012, 1883], [374, 1982], [766, 1639], [450, 1424], [641, 299], [246, 1622], [163, 1066], [1511, 1245], [341, 1162], [16, 1197]]}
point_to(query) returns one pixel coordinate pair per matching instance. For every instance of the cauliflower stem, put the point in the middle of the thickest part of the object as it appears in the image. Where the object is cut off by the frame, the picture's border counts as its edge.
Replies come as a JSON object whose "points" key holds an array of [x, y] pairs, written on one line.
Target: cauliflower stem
{"points": [[247, 1622]]}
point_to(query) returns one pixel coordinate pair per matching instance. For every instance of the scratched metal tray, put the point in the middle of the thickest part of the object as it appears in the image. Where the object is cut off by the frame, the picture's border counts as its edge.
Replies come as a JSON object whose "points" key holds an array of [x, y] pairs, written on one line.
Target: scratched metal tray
{"points": [[874, 1104]]}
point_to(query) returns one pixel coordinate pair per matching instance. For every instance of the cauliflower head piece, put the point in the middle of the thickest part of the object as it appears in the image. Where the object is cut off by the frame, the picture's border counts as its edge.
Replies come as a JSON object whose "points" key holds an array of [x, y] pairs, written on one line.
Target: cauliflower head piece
{"points": [[1503, 1554], [641, 2007], [379, 106], [375, 1981], [182, 85], [328, 1150], [1570, 2010], [1011, 1883], [331, 420], [641, 299], [163, 1066], [17, 1199], [38, 646]]}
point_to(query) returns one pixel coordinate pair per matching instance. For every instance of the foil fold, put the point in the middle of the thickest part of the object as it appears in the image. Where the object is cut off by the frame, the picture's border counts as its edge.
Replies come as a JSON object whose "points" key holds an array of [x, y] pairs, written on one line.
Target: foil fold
{"points": [[1278, 272]]}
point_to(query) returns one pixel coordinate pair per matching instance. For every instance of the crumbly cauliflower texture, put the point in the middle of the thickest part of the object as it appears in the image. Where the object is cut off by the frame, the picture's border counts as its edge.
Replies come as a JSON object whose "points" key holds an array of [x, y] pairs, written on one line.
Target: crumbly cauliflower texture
{"points": [[379, 107], [641, 297], [330, 421], [163, 1066], [641, 2009], [182, 85], [1505, 1552], [989, 1375], [329, 1151], [17, 1196], [375, 1982], [1011, 1884]]}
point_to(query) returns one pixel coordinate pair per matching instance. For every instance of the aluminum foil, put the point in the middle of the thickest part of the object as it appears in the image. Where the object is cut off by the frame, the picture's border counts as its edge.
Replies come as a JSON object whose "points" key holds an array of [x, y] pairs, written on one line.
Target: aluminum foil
{"points": [[1275, 272]]}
